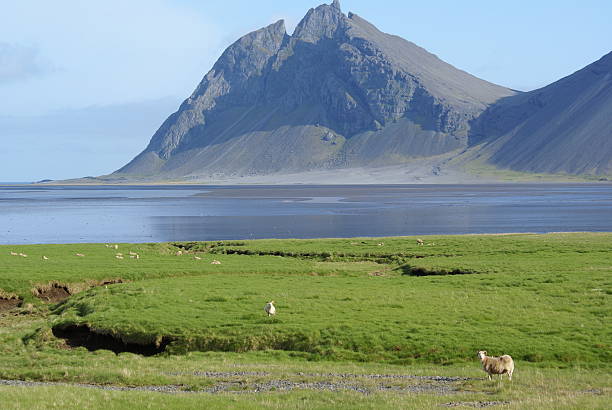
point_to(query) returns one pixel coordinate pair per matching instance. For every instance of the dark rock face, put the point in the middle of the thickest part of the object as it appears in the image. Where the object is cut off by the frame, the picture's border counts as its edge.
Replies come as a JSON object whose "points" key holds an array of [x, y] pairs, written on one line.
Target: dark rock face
{"points": [[563, 127], [243, 61], [336, 93]]}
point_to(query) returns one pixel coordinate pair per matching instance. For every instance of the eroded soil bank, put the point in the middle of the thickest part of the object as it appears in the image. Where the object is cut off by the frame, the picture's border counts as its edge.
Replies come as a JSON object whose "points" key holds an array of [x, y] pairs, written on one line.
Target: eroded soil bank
{"points": [[7, 304], [83, 336]]}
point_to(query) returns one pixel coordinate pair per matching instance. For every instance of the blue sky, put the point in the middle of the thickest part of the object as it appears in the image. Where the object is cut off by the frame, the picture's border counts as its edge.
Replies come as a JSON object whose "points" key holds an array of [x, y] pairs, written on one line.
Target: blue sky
{"points": [[72, 63]]}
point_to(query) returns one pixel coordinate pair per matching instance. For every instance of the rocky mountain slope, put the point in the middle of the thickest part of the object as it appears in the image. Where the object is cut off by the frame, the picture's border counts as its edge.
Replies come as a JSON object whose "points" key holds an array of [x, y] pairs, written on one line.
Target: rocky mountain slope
{"points": [[564, 127], [340, 94], [336, 93]]}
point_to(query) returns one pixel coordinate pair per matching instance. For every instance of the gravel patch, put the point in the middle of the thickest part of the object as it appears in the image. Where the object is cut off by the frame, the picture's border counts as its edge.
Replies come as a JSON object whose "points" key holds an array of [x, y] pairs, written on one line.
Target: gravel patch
{"points": [[388, 376], [217, 374], [158, 389], [334, 375], [592, 391], [347, 382], [283, 385]]}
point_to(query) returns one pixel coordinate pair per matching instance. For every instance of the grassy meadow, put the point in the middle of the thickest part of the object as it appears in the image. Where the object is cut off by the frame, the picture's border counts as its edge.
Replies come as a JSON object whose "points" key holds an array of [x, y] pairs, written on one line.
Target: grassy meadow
{"points": [[347, 310]]}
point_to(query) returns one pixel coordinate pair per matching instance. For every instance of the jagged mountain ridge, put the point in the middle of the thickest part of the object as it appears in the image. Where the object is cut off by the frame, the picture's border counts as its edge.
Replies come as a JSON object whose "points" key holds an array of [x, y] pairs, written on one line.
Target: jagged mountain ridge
{"points": [[339, 93], [336, 93]]}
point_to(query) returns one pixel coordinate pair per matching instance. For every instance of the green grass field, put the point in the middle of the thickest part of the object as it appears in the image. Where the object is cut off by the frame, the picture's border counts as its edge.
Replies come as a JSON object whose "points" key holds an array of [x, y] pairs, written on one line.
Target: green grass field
{"points": [[344, 306]]}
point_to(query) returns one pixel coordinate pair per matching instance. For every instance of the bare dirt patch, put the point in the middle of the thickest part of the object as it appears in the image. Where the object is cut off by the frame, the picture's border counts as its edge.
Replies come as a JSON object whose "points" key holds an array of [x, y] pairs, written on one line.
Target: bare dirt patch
{"points": [[111, 281], [83, 336], [56, 292], [53, 293], [7, 304]]}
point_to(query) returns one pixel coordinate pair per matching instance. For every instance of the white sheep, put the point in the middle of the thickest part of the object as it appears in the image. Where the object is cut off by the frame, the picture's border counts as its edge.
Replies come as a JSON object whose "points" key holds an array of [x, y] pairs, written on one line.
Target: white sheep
{"points": [[45, 258], [79, 254], [496, 365], [270, 309], [14, 254], [197, 258], [420, 242], [215, 262]]}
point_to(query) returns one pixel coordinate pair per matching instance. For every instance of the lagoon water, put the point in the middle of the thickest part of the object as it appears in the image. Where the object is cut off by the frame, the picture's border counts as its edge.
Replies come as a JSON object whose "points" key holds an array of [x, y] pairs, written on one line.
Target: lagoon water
{"points": [[56, 214]]}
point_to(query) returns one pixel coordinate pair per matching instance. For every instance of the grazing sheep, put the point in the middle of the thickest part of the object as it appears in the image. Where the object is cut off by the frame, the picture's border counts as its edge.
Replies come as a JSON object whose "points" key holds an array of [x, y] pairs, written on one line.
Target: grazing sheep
{"points": [[133, 253], [118, 256], [197, 258], [420, 242], [23, 255], [270, 309], [215, 262], [179, 253], [496, 365], [14, 254], [45, 258], [381, 244], [79, 254]]}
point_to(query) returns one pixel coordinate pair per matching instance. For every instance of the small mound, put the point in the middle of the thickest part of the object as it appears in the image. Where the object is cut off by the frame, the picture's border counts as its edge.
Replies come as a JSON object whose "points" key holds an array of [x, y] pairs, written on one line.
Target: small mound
{"points": [[53, 293], [83, 336], [11, 303]]}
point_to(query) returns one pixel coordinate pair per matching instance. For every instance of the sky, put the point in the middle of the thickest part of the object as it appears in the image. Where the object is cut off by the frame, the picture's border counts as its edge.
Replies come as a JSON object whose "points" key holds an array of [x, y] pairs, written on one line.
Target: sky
{"points": [[85, 84]]}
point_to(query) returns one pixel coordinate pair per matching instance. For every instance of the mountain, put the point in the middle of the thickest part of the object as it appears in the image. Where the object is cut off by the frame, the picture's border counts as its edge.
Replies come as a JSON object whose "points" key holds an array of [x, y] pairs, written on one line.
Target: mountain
{"points": [[338, 94], [565, 127]]}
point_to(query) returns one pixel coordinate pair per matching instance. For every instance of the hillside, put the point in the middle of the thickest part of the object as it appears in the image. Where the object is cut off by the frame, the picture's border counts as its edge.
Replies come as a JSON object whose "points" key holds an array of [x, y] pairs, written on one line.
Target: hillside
{"points": [[563, 127]]}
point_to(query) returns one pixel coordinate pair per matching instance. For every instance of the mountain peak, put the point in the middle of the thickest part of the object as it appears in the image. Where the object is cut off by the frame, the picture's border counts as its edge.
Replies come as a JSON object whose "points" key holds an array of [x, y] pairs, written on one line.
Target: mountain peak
{"points": [[321, 22]]}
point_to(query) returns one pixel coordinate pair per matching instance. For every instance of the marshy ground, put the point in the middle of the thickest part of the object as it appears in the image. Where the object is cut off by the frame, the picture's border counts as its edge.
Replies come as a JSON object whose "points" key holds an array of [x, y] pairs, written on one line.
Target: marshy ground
{"points": [[362, 322]]}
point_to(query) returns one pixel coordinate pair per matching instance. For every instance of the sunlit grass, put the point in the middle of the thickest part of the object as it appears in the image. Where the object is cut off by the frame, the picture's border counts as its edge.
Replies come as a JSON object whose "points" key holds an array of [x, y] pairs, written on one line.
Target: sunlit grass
{"points": [[344, 306]]}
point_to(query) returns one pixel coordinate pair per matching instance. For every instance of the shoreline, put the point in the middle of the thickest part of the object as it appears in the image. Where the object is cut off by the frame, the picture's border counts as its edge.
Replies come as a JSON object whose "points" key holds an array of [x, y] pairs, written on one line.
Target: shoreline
{"points": [[280, 185], [414, 172], [321, 238]]}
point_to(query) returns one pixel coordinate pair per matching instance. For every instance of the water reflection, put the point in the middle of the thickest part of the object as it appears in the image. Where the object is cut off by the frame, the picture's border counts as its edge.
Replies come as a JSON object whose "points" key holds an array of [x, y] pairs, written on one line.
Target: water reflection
{"points": [[149, 214]]}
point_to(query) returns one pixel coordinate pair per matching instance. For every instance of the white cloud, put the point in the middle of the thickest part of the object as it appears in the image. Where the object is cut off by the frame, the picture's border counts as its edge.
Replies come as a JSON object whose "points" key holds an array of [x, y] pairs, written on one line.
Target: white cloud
{"points": [[19, 62]]}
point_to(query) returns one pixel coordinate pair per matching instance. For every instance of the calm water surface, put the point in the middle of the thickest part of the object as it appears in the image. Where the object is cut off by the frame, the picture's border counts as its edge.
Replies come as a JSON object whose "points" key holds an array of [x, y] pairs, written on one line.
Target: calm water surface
{"points": [[182, 213]]}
